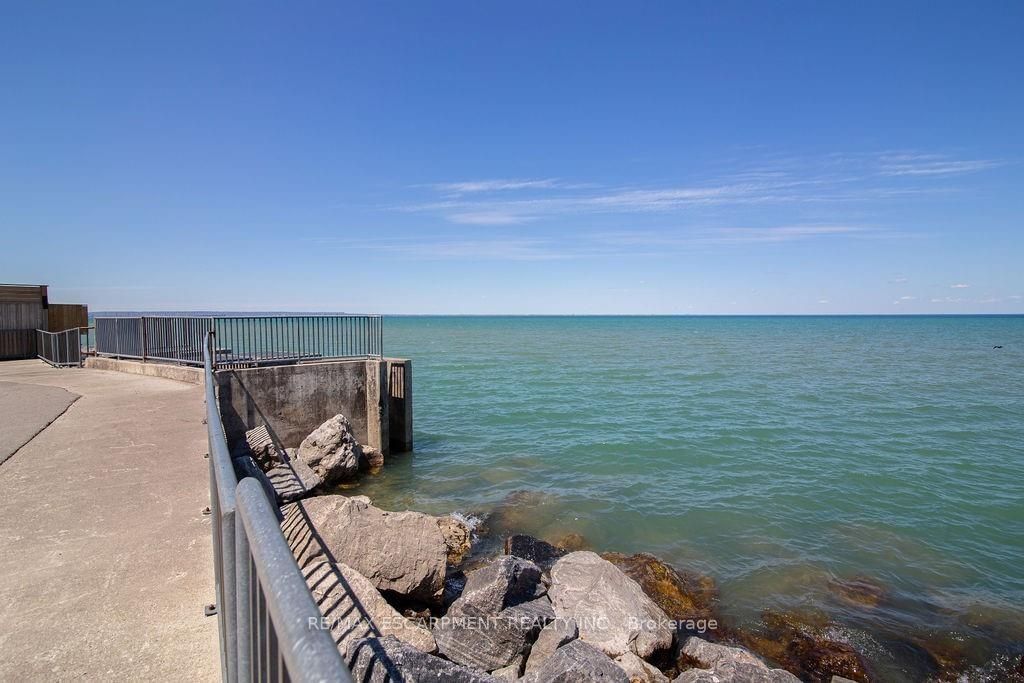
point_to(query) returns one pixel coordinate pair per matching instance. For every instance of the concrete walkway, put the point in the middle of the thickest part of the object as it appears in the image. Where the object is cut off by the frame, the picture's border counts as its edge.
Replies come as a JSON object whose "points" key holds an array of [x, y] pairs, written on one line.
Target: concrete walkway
{"points": [[106, 560]]}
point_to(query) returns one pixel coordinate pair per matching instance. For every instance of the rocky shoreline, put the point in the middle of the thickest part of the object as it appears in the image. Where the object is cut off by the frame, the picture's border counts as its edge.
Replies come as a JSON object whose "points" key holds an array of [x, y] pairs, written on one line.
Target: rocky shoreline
{"points": [[410, 596]]}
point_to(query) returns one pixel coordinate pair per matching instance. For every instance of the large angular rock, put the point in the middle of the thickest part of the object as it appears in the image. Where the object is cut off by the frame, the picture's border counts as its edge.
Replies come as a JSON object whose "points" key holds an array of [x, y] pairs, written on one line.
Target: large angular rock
{"points": [[484, 641], [612, 611], [400, 552], [505, 582], [577, 662], [551, 637], [331, 450], [491, 624], [723, 663], [354, 609], [388, 660]]}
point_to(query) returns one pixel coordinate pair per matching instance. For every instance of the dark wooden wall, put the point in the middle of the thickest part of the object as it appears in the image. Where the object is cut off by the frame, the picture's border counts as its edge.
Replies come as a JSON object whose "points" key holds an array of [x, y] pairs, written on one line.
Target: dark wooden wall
{"points": [[65, 316], [23, 310]]}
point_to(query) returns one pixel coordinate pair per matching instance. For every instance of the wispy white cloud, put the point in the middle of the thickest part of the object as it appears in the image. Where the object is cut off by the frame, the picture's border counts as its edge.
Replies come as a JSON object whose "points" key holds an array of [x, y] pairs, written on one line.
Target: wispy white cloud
{"points": [[635, 243], [470, 186], [803, 183], [488, 218], [960, 285], [932, 165], [727, 235], [444, 249]]}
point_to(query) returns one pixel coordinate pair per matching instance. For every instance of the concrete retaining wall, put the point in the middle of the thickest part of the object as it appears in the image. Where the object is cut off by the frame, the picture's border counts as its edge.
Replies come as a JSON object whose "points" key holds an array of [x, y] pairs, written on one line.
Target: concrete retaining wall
{"points": [[181, 373], [293, 400]]}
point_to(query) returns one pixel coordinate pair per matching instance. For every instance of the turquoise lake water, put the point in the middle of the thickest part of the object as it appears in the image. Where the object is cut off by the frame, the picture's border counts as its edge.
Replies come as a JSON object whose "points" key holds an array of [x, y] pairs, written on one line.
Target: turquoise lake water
{"points": [[775, 454]]}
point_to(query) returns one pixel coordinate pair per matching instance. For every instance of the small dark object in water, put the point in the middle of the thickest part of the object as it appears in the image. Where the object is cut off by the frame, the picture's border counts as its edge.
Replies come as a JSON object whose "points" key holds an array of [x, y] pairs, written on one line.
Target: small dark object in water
{"points": [[997, 347]]}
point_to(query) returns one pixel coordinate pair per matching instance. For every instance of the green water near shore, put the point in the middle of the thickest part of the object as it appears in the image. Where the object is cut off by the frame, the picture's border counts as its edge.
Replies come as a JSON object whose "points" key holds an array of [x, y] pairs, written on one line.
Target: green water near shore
{"points": [[774, 454]]}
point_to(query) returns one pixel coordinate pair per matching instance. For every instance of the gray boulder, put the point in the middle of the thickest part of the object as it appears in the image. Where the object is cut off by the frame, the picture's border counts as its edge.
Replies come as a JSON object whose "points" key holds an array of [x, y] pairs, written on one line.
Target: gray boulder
{"points": [[261, 446], [551, 637], [331, 450], [354, 609], [472, 636], [388, 660], [400, 552], [577, 662], [373, 458], [293, 481], [612, 611], [511, 672], [483, 641], [533, 615], [639, 671], [505, 582], [724, 663]]}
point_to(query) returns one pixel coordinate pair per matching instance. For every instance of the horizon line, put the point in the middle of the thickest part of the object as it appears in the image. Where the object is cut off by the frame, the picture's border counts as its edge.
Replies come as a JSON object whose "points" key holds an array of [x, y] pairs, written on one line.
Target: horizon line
{"points": [[563, 315]]}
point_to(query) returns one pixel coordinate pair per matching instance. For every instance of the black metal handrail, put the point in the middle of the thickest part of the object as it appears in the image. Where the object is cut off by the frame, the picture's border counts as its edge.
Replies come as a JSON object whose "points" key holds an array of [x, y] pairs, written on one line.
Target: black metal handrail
{"points": [[267, 619], [242, 340]]}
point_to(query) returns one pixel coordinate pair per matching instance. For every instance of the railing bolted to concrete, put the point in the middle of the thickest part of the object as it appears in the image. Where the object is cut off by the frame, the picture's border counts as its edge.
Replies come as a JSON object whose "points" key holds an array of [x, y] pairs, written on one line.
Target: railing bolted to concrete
{"points": [[242, 340]]}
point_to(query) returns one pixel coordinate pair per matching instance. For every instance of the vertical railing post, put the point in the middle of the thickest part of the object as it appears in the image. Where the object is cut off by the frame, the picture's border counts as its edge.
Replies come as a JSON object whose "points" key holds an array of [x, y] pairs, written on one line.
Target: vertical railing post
{"points": [[243, 596], [142, 337]]}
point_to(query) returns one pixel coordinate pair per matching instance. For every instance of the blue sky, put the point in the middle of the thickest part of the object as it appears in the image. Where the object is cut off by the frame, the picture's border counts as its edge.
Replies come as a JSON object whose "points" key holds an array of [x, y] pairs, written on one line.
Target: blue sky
{"points": [[481, 157]]}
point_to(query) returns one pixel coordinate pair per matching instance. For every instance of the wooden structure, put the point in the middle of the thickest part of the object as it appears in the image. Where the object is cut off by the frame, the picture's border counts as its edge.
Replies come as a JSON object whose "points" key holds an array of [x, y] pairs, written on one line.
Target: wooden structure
{"points": [[25, 309], [67, 316]]}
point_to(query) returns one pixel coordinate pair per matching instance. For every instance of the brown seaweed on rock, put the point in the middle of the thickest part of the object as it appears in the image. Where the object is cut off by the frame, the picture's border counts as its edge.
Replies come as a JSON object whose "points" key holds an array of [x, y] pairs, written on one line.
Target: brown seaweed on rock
{"points": [[860, 591], [682, 595], [569, 542], [517, 512], [800, 644]]}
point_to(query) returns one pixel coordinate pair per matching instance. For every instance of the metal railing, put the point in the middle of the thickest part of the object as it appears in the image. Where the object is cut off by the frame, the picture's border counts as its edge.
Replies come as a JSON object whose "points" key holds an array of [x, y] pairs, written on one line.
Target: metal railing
{"points": [[267, 619], [59, 349], [242, 340]]}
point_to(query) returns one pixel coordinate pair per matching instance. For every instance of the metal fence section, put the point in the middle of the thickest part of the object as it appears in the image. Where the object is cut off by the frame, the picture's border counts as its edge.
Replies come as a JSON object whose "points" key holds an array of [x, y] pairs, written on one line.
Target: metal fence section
{"points": [[178, 339], [59, 349], [120, 337], [242, 341], [268, 622], [269, 339]]}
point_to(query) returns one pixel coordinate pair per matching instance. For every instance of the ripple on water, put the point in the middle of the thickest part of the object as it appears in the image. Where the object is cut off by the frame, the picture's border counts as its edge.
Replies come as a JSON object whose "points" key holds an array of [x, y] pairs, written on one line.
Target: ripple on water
{"points": [[779, 453]]}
